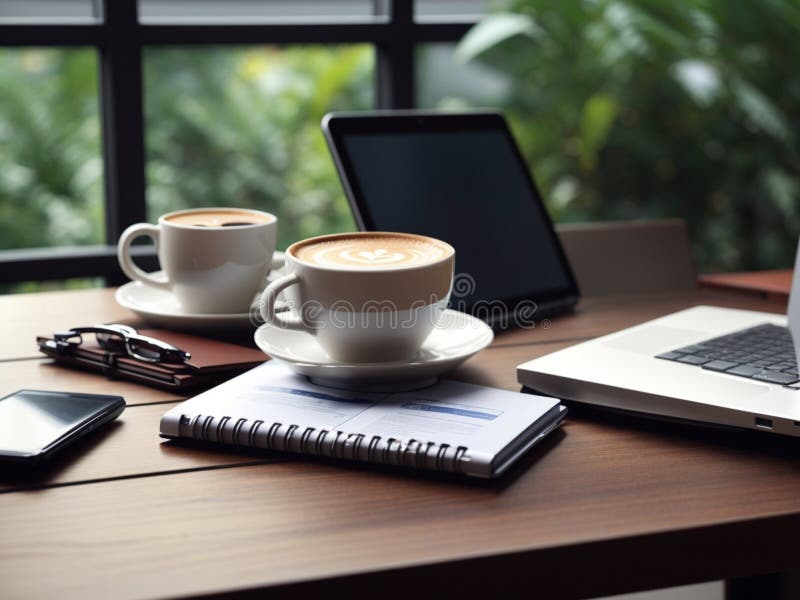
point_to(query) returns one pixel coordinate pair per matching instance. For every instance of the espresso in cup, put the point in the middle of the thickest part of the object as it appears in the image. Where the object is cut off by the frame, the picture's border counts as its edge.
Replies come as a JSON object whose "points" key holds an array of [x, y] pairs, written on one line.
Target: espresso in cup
{"points": [[219, 217], [213, 259], [366, 296]]}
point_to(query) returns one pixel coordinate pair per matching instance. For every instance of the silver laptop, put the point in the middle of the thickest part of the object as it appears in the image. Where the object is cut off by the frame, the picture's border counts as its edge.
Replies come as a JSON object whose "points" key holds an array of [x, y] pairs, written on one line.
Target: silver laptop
{"points": [[713, 365]]}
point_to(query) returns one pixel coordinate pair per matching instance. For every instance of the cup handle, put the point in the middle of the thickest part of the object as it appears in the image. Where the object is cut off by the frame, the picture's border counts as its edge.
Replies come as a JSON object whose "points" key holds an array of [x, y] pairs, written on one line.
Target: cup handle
{"points": [[124, 255], [278, 260], [268, 312]]}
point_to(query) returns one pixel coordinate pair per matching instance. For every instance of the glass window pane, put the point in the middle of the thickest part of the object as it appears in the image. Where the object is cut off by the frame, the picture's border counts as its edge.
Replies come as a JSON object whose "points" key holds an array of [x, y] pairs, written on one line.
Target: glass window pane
{"points": [[443, 10], [248, 11], [241, 127], [51, 171], [43, 11], [443, 81]]}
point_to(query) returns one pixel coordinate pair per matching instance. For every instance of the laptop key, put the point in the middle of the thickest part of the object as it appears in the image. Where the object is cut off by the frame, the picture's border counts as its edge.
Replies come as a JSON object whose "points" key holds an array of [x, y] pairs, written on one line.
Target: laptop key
{"points": [[744, 370], [720, 365], [783, 366], [670, 355], [775, 377], [764, 352], [761, 363], [691, 359], [692, 349], [748, 358]]}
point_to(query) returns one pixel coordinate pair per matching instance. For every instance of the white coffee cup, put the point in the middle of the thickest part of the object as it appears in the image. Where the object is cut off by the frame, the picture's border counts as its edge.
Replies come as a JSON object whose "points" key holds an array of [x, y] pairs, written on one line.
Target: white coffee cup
{"points": [[214, 260], [373, 304]]}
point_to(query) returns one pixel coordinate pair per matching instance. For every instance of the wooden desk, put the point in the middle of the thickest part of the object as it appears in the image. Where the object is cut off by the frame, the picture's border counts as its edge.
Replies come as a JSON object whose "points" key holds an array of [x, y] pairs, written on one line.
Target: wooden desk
{"points": [[606, 505], [773, 284]]}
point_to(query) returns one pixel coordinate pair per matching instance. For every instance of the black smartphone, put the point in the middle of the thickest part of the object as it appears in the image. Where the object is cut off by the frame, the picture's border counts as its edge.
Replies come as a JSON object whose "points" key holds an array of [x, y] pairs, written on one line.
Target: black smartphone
{"points": [[36, 424]]}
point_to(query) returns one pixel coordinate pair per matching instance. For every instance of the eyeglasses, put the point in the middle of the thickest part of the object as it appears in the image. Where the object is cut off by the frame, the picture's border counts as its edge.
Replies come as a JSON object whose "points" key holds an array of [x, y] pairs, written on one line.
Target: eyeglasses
{"points": [[123, 338]]}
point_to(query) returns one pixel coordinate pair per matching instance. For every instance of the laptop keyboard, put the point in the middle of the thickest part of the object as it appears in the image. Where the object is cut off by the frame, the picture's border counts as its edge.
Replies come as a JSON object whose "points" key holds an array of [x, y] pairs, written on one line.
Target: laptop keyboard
{"points": [[763, 353]]}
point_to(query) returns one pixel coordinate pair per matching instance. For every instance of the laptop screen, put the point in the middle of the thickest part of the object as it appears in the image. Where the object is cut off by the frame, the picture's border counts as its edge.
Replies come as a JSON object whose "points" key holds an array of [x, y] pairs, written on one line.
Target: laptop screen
{"points": [[470, 189]]}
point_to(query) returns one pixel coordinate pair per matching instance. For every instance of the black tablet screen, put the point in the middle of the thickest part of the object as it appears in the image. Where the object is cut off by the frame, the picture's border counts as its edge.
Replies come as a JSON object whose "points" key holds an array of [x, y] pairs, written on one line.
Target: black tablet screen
{"points": [[469, 189]]}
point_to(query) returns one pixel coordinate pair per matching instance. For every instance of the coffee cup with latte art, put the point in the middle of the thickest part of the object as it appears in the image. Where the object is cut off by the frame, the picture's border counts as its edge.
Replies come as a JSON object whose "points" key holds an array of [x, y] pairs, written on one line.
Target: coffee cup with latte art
{"points": [[213, 259], [365, 296]]}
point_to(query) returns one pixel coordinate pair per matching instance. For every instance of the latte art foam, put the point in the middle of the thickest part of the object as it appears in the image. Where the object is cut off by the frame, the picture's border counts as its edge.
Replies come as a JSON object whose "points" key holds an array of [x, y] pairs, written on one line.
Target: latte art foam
{"points": [[366, 252]]}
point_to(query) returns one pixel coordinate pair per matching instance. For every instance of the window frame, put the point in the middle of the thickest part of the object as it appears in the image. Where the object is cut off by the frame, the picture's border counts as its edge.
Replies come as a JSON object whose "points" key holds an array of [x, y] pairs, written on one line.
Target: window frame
{"points": [[120, 39]]}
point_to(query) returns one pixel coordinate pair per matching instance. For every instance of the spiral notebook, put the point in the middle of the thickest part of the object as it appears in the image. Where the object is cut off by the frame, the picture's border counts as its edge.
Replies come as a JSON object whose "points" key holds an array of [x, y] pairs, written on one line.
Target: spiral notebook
{"points": [[450, 426]]}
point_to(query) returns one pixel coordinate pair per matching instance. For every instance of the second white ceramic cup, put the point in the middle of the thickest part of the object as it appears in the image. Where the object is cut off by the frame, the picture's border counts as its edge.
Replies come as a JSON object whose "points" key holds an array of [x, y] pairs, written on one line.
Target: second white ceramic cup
{"points": [[210, 269]]}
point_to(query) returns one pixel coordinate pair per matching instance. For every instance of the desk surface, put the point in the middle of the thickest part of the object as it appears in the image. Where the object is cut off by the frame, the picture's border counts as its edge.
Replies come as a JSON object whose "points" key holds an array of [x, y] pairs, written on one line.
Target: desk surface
{"points": [[776, 284], [605, 505]]}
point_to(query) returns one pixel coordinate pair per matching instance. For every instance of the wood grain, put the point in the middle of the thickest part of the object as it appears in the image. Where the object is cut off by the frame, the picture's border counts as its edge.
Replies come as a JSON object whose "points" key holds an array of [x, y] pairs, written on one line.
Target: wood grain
{"points": [[776, 284], [128, 447], [253, 527], [624, 503], [600, 316], [497, 366], [27, 315]]}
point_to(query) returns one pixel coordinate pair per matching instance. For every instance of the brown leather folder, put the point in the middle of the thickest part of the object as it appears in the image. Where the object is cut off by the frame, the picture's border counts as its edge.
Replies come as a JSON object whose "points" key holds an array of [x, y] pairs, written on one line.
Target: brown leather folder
{"points": [[211, 361]]}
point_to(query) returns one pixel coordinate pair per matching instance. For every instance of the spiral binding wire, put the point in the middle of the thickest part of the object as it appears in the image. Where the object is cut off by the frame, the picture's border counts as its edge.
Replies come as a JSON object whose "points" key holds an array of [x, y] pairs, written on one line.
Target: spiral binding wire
{"points": [[412, 453]]}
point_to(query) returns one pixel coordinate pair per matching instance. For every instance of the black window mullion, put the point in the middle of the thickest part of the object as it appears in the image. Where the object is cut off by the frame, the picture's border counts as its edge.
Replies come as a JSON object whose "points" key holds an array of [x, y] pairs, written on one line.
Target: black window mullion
{"points": [[394, 77], [51, 35], [39, 264], [123, 118]]}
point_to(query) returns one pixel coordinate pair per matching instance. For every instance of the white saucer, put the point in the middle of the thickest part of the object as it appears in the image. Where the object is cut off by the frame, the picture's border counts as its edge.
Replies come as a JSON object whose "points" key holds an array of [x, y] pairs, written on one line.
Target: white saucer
{"points": [[160, 307], [457, 337]]}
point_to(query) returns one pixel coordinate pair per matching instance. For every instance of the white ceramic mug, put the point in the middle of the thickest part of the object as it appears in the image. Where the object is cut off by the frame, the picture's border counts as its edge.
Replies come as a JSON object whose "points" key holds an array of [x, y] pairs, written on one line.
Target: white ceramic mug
{"points": [[358, 315], [211, 269]]}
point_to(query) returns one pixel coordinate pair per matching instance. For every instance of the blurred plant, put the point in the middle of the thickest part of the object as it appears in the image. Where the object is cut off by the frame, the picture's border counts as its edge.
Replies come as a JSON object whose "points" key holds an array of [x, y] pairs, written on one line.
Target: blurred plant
{"points": [[624, 108], [224, 126], [51, 173], [643, 108], [241, 127]]}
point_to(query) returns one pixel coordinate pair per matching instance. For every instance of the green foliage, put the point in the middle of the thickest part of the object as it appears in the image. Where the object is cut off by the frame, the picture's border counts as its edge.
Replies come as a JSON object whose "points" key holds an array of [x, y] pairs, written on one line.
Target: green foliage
{"points": [[240, 127], [494, 30], [225, 126], [51, 176], [643, 108], [624, 108], [29, 287]]}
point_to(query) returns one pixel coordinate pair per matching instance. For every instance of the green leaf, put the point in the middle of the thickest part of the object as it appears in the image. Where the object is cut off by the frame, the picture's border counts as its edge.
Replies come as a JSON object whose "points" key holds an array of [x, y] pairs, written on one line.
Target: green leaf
{"points": [[493, 30], [760, 110], [597, 118], [783, 189], [699, 79]]}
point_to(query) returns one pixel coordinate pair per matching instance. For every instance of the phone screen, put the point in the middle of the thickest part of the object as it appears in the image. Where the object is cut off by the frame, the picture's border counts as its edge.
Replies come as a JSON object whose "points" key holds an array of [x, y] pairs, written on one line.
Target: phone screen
{"points": [[30, 421]]}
